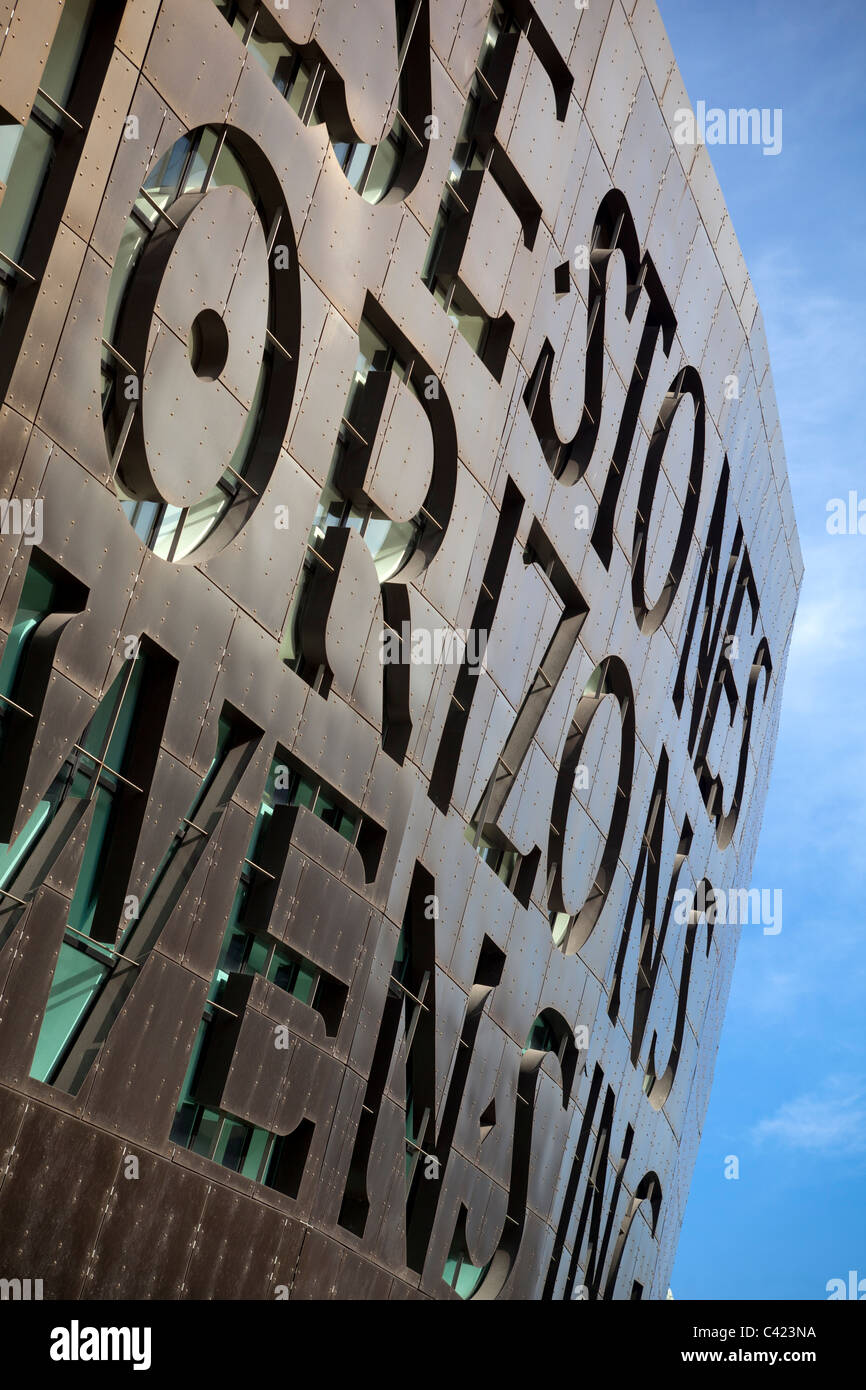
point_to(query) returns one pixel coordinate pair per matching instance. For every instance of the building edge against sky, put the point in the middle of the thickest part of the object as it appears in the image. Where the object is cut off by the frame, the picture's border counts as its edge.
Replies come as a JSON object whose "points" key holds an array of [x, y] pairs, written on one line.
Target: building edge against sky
{"points": [[397, 575]]}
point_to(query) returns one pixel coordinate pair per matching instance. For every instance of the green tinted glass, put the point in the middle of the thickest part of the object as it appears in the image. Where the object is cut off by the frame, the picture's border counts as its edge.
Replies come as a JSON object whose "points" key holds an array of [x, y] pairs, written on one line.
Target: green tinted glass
{"points": [[256, 1148], [86, 896], [34, 151], [66, 50], [37, 600], [75, 980]]}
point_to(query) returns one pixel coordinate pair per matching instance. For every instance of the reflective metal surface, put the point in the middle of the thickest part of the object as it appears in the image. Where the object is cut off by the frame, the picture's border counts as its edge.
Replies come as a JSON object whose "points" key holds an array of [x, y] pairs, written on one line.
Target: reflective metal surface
{"points": [[397, 574]]}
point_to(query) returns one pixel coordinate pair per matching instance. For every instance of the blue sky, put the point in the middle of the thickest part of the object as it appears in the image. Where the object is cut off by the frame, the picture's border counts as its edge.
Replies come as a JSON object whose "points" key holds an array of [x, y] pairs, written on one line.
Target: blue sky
{"points": [[789, 1097]]}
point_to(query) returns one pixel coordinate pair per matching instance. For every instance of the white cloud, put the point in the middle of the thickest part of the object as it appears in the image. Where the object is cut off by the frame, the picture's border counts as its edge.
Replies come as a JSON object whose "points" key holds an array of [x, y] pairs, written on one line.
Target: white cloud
{"points": [[830, 1121]]}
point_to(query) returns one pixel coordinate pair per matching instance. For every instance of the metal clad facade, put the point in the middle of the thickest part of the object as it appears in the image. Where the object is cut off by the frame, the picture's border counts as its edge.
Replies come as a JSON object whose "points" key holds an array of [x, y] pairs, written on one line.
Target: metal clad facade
{"points": [[397, 574]]}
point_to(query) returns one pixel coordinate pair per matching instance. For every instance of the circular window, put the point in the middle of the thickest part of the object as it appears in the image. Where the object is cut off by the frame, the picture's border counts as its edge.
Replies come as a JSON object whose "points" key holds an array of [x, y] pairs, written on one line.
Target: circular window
{"points": [[201, 343]]}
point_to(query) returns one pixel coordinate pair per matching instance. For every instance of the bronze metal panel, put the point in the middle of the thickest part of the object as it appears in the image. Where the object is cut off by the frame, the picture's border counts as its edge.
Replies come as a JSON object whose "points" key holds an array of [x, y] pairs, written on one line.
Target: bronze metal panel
{"points": [[317, 423], [295, 151], [431, 942], [26, 44], [297, 20], [192, 61], [327, 921], [365, 55], [467, 42], [318, 1268], [158, 128], [26, 453], [127, 1093], [448, 104], [365, 237], [235, 1249], [75, 368], [270, 547], [34, 935], [244, 1069], [154, 1206], [401, 468], [409, 303], [200, 946], [36, 1188], [345, 761], [136, 27], [91, 178], [79, 535], [404, 1292], [12, 1111], [359, 1279], [164, 615], [37, 357]]}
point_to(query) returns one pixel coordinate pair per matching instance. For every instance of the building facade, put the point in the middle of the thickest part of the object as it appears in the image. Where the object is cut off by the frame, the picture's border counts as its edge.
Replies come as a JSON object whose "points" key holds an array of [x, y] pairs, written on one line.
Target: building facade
{"points": [[397, 573]]}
